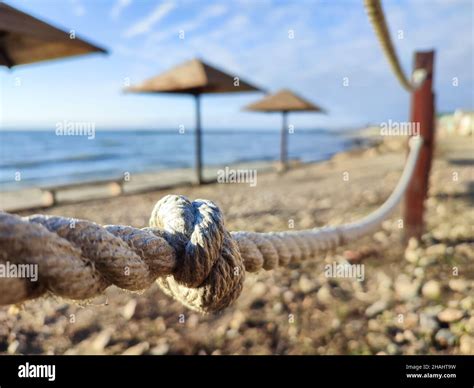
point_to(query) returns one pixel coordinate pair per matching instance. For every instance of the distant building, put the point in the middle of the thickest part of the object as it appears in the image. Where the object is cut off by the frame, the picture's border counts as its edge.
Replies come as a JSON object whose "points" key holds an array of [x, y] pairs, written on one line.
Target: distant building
{"points": [[461, 122]]}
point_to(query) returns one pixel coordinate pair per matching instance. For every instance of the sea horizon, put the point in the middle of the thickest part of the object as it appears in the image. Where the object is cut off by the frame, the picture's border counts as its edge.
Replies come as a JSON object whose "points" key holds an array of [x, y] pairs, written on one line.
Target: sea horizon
{"points": [[36, 158]]}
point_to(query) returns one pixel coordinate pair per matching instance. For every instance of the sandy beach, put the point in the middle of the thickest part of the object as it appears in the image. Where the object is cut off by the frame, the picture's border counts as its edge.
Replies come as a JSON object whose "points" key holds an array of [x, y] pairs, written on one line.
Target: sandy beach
{"points": [[417, 300]]}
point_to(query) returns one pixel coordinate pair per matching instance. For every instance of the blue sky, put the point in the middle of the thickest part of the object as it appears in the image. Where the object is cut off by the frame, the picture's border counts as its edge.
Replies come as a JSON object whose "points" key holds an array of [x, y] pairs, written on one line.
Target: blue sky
{"points": [[332, 40]]}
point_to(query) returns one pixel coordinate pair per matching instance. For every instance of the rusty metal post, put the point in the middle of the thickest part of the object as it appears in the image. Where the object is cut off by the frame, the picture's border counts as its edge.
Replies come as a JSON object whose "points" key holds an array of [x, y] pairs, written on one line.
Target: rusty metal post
{"points": [[422, 116]]}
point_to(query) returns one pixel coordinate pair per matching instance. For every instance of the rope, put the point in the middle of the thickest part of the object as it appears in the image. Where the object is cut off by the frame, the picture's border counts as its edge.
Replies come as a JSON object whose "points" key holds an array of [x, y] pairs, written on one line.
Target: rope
{"points": [[186, 249], [377, 18]]}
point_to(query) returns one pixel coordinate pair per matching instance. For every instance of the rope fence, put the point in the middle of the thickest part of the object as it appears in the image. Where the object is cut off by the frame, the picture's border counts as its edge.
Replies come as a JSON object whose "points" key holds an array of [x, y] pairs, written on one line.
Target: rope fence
{"points": [[186, 249], [376, 16]]}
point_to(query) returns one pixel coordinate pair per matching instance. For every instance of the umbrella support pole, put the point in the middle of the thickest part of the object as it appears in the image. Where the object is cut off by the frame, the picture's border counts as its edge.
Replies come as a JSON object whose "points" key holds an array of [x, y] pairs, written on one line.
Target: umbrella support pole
{"points": [[198, 140], [284, 141]]}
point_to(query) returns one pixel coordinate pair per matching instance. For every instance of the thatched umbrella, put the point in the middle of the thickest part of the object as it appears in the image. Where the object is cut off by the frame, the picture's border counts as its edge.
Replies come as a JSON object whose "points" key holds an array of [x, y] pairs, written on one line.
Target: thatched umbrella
{"points": [[194, 77], [284, 101], [25, 39]]}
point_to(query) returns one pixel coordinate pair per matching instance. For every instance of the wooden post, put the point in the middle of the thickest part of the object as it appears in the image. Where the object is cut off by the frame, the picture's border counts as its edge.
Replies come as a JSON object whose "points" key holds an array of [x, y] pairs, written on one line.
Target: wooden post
{"points": [[284, 140], [422, 115], [198, 140]]}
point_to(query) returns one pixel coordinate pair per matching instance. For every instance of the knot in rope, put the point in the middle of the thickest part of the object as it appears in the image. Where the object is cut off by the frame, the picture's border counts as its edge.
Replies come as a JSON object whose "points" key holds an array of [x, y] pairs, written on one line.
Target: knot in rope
{"points": [[209, 273], [186, 249]]}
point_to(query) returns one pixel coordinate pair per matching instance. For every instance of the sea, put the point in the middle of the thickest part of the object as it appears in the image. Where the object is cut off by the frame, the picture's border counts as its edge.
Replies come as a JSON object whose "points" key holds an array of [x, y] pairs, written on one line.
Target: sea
{"points": [[35, 158]]}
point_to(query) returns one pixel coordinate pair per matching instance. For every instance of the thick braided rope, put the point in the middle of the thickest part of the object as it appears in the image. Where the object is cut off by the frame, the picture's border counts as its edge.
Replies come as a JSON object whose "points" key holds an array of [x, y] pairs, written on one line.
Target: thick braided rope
{"points": [[186, 248], [376, 16]]}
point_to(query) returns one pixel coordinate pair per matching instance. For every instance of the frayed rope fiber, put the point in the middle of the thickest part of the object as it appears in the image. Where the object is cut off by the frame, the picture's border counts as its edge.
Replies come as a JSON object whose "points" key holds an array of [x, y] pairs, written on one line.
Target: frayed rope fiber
{"points": [[186, 249]]}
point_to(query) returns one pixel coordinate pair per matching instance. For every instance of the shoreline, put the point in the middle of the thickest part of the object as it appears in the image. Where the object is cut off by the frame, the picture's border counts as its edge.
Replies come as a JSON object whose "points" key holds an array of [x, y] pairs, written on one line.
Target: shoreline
{"points": [[46, 196]]}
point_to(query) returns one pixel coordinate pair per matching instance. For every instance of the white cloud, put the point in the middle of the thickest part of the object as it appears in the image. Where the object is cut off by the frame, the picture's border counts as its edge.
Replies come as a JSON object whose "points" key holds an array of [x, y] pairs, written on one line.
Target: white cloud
{"points": [[188, 26], [214, 11], [238, 22], [78, 8], [146, 24], [118, 7]]}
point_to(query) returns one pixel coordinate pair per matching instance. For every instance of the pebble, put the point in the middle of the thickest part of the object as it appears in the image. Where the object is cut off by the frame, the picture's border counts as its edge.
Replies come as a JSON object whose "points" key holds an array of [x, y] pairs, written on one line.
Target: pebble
{"points": [[399, 338], [464, 250], [431, 290], [450, 315], [376, 308], [288, 296], [370, 196], [259, 289], [409, 336], [160, 325], [428, 324], [388, 225], [433, 311], [418, 347], [352, 256], [238, 318], [384, 283], [353, 346], [412, 256], [277, 307], [410, 321], [458, 285], [353, 328], [412, 244], [160, 349], [453, 303], [441, 209], [137, 349], [193, 321], [470, 325], [460, 232], [231, 334], [445, 338], [12, 347], [324, 295], [129, 309], [426, 261], [381, 237], [101, 340], [405, 288], [374, 325], [305, 284], [467, 303], [458, 328], [393, 349], [436, 250], [14, 309], [419, 273], [466, 344], [377, 341]]}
